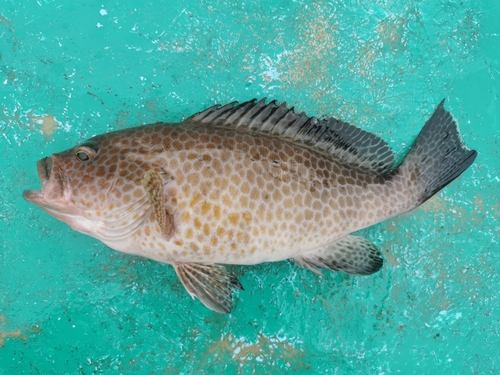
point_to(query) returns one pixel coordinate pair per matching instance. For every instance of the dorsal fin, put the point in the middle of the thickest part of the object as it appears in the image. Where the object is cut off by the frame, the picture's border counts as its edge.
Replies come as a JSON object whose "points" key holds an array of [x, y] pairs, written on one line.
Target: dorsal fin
{"points": [[350, 145]]}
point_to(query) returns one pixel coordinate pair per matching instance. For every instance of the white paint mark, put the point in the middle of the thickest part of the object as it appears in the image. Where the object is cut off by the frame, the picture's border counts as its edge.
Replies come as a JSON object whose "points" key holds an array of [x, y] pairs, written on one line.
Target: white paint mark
{"points": [[384, 349], [180, 14], [67, 127], [34, 19], [142, 78], [5, 82], [6, 138], [103, 12], [271, 73], [99, 25], [135, 27], [134, 48]]}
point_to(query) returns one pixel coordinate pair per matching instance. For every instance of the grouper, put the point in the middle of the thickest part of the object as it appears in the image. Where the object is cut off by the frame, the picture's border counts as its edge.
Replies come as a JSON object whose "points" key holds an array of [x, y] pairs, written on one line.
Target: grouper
{"points": [[246, 183]]}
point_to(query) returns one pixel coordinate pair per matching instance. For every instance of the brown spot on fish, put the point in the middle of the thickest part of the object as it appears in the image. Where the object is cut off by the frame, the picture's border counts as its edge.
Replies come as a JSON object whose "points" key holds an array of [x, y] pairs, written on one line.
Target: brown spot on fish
{"points": [[205, 208], [247, 216], [101, 171], [195, 200], [186, 216], [245, 188], [244, 201], [234, 218], [217, 212], [193, 178], [177, 145], [197, 223]]}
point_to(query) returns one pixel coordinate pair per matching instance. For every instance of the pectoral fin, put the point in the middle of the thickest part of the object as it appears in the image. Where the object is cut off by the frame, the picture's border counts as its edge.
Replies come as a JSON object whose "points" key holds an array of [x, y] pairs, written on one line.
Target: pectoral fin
{"points": [[211, 284], [349, 254], [153, 184]]}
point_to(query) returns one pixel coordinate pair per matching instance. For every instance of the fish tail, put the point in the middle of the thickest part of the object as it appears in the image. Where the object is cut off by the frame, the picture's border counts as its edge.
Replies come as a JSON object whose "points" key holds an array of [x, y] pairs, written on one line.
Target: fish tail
{"points": [[437, 157]]}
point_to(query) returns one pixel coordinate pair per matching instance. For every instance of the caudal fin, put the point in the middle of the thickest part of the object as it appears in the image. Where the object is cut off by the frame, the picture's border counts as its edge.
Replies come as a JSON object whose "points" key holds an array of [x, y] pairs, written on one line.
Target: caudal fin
{"points": [[437, 157]]}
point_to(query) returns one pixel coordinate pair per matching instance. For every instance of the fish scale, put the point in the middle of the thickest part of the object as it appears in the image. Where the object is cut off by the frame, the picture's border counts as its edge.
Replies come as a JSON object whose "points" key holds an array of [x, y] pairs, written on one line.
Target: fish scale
{"points": [[245, 184]]}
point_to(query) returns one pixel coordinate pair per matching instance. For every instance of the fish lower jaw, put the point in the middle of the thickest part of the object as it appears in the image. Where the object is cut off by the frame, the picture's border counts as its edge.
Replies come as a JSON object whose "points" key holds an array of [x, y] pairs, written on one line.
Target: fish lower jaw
{"points": [[32, 195], [42, 199], [61, 209]]}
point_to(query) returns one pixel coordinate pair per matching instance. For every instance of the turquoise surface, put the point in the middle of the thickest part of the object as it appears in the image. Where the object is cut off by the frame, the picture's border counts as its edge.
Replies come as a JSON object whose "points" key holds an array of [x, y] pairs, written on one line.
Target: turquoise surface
{"points": [[70, 70]]}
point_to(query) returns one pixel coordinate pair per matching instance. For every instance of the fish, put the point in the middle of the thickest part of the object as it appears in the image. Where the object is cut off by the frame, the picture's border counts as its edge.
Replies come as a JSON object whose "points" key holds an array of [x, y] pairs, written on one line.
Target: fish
{"points": [[246, 183]]}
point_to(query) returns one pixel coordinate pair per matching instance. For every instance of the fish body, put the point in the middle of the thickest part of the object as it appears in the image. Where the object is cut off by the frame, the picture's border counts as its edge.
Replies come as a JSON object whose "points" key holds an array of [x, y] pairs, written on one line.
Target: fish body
{"points": [[245, 184]]}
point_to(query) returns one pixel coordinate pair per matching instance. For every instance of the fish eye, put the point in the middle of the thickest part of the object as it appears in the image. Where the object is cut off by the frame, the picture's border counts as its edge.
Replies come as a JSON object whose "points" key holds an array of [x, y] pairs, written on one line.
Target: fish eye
{"points": [[82, 156], [86, 152]]}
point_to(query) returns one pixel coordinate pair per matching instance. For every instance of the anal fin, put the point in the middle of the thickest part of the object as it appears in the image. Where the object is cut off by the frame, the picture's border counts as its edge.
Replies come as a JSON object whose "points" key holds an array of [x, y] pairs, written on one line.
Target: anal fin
{"points": [[349, 254], [153, 184], [212, 284]]}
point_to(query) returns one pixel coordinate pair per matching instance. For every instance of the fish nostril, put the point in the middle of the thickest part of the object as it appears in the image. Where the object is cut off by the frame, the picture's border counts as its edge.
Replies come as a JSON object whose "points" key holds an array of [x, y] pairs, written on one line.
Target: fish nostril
{"points": [[48, 167], [45, 167]]}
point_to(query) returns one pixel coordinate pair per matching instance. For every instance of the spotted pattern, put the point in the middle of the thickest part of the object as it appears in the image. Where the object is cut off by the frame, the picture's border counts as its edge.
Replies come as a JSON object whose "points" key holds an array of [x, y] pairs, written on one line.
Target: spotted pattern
{"points": [[232, 195]]}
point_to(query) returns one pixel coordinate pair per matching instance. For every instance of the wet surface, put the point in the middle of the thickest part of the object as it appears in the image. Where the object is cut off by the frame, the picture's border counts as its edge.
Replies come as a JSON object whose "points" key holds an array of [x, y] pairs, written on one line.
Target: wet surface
{"points": [[69, 304]]}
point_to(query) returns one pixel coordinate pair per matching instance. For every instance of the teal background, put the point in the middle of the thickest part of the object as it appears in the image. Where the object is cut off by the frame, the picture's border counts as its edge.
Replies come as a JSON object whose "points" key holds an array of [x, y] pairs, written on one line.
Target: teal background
{"points": [[71, 69]]}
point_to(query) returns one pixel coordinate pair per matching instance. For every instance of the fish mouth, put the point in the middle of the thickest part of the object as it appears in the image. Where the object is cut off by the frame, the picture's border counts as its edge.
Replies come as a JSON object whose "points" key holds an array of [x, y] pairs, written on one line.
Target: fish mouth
{"points": [[54, 184], [55, 196], [44, 168]]}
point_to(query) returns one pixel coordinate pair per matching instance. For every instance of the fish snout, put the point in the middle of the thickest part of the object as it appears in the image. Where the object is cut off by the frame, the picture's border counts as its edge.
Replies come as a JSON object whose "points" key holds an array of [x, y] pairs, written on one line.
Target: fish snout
{"points": [[53, 178]]}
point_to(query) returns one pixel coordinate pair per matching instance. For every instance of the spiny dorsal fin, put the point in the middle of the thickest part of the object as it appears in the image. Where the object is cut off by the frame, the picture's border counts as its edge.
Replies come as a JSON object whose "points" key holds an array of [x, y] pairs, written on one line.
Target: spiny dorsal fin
{"points": [[347, 143]]}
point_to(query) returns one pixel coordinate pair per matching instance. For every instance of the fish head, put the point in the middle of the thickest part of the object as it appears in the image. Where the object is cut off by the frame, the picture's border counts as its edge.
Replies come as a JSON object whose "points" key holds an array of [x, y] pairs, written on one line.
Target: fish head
{"points": [[92, 182]]}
